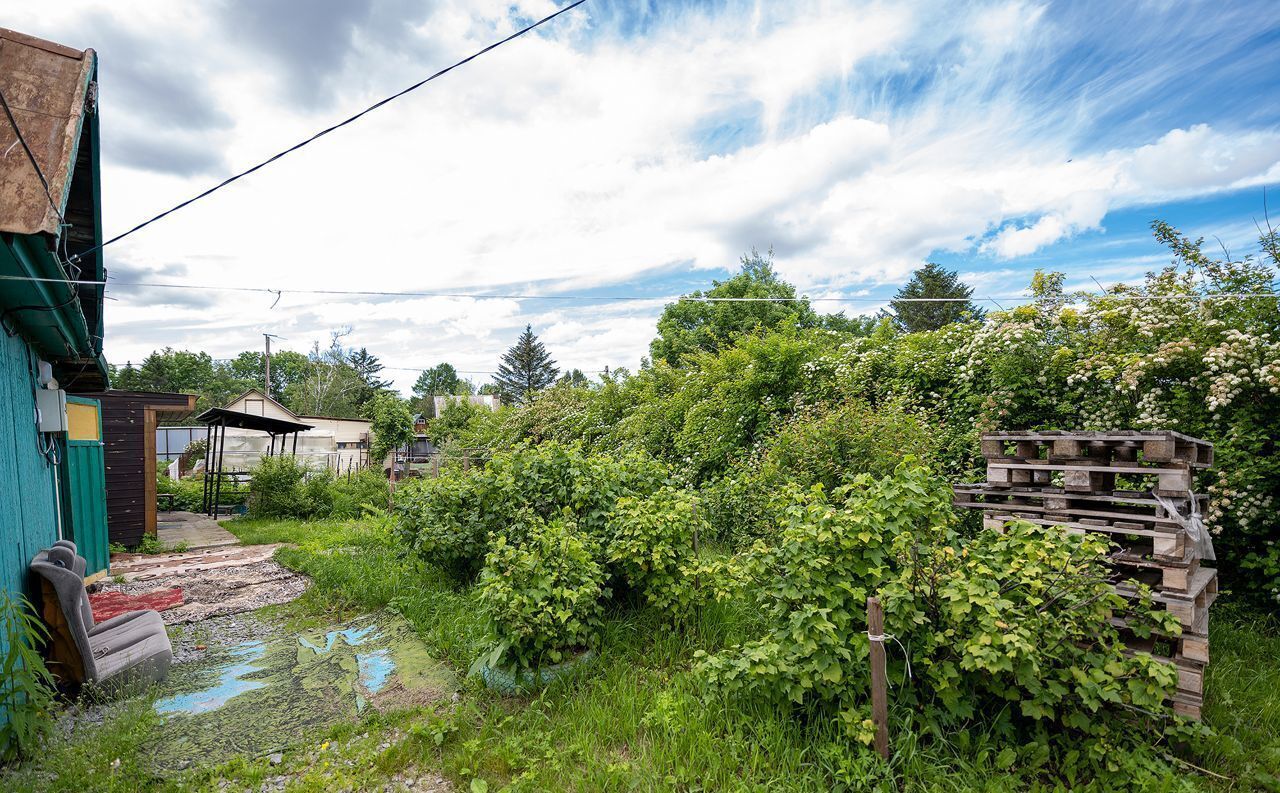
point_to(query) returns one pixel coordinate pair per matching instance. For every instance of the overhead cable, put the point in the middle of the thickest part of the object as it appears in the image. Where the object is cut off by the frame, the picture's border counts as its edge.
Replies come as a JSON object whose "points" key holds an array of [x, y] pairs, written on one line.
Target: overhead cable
{"points": [[329, 129], [276, 293]]}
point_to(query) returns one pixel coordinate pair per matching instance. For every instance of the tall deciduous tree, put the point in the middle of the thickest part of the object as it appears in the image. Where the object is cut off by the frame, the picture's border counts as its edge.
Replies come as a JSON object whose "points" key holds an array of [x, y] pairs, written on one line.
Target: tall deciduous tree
{"points": [[331, 388], [933, 281], [440, 380], [390, 424], [526, 369], [691, 326]]}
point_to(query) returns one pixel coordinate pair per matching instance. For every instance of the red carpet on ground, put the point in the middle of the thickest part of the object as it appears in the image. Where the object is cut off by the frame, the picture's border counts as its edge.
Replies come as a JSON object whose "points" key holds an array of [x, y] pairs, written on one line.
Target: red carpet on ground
{"points": [[110, 604]]}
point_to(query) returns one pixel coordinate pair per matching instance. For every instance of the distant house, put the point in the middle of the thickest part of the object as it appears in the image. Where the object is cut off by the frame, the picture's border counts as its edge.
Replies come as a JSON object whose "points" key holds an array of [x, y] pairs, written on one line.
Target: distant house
{"points": [[490, 401], [51, 462], [337, 443]]}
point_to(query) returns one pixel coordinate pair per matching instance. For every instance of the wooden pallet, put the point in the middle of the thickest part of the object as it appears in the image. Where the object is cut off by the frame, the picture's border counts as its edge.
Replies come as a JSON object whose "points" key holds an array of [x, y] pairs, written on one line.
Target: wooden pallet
{"points": [[1190, 606], [1167, 540], [1187, 645], [1069, 479], [1088, 477], [1117, 504], [1188, 706], [1171, 575], [1173, 568], [1161, 446]]}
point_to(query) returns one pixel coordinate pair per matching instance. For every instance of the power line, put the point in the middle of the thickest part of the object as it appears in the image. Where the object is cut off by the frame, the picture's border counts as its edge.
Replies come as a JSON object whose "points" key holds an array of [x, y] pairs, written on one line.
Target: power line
{"points": [[327, 130], [632, 298], [30, 157]]}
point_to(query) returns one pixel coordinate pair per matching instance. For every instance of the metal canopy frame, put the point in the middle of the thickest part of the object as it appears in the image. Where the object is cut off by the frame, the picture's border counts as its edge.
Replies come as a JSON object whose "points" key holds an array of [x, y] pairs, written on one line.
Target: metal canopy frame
{"points": [[217, 420]]}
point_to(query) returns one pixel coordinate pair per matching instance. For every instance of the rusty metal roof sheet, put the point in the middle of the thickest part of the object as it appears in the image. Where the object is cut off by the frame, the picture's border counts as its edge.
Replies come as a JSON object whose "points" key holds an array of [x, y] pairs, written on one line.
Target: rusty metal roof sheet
{"points": [[45, 85]]}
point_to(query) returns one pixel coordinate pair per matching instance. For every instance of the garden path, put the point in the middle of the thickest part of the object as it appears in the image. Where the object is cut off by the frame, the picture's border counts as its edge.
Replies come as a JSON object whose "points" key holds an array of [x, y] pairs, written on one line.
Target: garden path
{"points": [[191, 531]]}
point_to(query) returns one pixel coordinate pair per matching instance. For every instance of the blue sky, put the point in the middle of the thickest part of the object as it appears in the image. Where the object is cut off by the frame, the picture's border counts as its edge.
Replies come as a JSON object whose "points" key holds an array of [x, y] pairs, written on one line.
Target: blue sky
{"points": [[634, 148]]}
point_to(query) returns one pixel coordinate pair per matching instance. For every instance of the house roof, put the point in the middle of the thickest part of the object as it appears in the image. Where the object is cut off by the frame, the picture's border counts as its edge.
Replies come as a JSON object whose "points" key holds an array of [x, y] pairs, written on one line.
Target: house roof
{"points": [[45, 85], [260, 393], [50, 90], [275, 402]]}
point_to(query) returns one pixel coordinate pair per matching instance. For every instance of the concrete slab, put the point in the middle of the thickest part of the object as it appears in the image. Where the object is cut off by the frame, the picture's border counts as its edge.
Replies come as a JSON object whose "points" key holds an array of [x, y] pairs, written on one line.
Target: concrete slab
{"points": [[197, 531]]}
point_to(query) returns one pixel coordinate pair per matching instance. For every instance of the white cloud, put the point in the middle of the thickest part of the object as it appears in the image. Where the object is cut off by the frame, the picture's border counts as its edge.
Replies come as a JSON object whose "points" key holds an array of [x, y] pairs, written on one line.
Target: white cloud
{"points": [[875, 134], [1200, 159]]}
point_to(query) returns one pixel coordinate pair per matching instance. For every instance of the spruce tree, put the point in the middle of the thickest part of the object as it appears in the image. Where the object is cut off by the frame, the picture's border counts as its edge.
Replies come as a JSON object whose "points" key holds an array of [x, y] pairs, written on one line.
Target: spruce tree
{"points": [[526, 369], [933, 281], [368, 367]]}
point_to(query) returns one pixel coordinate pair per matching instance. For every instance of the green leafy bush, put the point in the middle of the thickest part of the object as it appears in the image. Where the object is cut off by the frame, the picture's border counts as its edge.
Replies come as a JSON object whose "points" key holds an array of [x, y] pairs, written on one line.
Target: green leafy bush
{"points": [[1016, 618], [449, 519], [277, 490], [26, 686], [390, 424], [188, 494], [816, 445], [812, 585], [286, 487], [543, 594], [1164, 353], [443, 520], [1022, 616], [653, 547]]}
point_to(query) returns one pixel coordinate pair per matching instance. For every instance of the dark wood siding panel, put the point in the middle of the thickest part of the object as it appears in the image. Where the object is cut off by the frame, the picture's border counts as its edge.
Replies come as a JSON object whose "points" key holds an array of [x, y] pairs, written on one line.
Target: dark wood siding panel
{"points": [[130, 480], [122, 428]]}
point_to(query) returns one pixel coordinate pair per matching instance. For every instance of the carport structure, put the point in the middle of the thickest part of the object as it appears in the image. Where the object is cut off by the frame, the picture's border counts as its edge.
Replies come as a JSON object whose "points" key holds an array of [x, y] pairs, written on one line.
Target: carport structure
{"points": [[217, 420]]}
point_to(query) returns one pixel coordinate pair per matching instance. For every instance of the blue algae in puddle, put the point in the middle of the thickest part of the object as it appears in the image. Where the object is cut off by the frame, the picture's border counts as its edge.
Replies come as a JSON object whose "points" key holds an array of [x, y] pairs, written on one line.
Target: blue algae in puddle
{"points": [[354, 637], [230, 684], [375, 669]]}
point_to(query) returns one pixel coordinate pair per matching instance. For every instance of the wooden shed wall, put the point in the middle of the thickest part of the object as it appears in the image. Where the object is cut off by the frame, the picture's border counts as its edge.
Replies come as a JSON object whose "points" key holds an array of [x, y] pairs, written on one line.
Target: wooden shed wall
{"points": [[28, 509], [129, 432]]}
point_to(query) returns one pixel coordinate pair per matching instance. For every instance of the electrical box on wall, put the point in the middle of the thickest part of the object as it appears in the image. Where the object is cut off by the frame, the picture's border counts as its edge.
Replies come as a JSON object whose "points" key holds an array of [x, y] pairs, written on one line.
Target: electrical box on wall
{"points": [[51, 410]]}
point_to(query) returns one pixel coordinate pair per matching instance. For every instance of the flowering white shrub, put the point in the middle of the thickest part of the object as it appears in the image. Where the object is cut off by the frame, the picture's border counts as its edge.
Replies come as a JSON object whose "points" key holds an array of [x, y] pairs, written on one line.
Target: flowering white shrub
{"points": [[1182, 351]]}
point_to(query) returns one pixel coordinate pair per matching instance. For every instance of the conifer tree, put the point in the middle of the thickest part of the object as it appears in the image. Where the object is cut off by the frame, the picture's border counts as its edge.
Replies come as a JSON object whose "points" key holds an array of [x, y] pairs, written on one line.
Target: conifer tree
{"points": [[526, 369], [368, 367], [933, 281]]}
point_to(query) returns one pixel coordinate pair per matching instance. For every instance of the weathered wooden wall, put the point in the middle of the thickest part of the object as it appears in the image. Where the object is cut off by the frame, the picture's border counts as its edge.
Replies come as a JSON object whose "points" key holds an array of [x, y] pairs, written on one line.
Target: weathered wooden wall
{"points": [[28, 508], [129, 431]]}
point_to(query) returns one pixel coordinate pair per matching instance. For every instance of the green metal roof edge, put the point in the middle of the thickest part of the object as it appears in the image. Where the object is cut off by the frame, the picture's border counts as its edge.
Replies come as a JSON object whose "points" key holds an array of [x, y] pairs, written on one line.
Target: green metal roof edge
{"points": [[64, 332]]}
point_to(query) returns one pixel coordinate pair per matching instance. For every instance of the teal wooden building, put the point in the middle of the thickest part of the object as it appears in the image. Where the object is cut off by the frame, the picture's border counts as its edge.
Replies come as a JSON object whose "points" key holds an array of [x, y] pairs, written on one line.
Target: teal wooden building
{"points": [[51, 452]]}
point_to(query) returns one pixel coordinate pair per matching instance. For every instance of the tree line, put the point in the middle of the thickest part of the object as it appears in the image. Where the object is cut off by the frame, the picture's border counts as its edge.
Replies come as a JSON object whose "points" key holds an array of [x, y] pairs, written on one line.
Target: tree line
{"points": [[328, 381], [340, 381]]}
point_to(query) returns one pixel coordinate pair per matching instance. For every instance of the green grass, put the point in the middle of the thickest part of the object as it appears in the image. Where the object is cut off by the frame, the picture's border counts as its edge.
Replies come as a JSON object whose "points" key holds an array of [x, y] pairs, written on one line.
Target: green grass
{"points": [[636, 718]]}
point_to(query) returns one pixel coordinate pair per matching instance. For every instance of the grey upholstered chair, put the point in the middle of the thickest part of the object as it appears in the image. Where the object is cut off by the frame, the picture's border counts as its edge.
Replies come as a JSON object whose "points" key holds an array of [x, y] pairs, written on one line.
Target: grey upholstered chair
{"points": [[132, 647]]}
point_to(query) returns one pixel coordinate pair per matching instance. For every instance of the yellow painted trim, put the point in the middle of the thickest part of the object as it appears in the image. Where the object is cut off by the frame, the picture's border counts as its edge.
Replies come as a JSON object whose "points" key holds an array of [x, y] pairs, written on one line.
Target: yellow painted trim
{"points": [[82, 422]]}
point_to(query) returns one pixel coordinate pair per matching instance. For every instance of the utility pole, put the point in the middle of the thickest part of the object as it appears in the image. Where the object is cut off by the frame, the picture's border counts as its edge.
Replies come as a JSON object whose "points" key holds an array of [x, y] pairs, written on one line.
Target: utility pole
{"points": [[266, 377]]}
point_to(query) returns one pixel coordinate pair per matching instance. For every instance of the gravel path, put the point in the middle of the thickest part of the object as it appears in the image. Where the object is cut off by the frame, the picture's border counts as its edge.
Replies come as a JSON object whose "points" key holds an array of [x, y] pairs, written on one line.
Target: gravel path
{"points": [[221, 591]]}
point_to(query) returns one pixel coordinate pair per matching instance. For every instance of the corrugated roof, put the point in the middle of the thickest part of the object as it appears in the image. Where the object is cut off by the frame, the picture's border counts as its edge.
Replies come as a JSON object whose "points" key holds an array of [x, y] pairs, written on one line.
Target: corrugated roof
{"points": [[45, 85], [248, 421]]}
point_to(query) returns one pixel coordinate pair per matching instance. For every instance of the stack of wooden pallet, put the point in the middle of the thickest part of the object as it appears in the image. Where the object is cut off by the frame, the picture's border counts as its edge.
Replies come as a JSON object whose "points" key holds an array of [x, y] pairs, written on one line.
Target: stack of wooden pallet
{"points": [[1137, 488]]}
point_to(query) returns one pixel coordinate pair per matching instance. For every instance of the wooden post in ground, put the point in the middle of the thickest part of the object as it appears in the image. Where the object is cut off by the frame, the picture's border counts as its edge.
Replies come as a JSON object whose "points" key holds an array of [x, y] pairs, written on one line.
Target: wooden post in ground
{"points": [[879, 684], [391, 483]]}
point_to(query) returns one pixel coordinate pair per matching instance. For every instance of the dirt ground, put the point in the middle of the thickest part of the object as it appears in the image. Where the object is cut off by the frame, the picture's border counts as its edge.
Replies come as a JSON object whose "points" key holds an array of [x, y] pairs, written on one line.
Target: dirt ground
{"points": [[214, 582]]}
